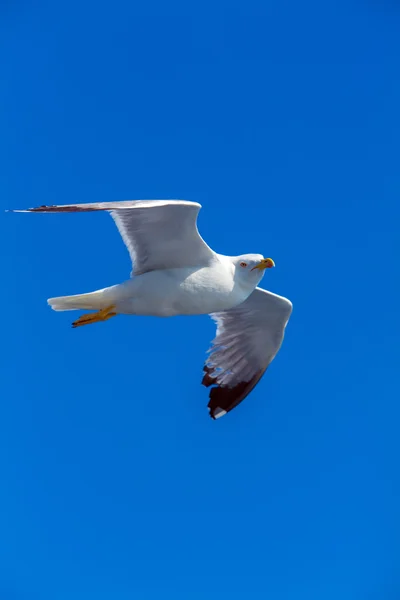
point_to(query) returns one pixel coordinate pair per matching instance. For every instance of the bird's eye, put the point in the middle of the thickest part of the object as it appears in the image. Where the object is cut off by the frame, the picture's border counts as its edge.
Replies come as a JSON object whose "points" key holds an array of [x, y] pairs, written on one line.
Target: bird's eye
{"points": [[243, 264]]}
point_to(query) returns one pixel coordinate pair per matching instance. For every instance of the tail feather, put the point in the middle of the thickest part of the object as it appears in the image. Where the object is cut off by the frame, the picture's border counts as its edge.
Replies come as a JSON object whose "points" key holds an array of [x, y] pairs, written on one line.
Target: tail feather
{"points": [[91, 301]]}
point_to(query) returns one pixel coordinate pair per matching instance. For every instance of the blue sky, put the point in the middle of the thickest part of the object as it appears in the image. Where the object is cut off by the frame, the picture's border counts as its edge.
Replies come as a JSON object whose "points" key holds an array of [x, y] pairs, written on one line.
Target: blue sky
{"points": [[282, 120]]}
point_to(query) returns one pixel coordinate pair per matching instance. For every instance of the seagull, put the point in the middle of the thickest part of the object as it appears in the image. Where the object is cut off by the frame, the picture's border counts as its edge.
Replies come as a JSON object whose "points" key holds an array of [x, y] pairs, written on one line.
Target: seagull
{"points": [[176, 273]]}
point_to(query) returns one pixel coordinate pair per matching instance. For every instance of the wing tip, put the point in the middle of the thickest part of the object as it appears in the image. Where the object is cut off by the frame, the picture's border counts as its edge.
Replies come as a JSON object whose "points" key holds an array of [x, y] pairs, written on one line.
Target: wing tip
{"points": [[217, 413], [42, 208], [224, 398]]}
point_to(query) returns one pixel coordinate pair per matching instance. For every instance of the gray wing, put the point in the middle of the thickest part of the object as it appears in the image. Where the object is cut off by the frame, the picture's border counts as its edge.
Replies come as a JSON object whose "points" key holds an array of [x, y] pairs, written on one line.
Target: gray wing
{"points": [[159, 234], [248, 338]]}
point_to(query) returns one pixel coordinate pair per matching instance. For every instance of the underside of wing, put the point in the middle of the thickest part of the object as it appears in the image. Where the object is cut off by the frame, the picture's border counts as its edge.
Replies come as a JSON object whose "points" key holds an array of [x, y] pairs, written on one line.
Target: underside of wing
{"points": [[248, 338], [159, 234]]}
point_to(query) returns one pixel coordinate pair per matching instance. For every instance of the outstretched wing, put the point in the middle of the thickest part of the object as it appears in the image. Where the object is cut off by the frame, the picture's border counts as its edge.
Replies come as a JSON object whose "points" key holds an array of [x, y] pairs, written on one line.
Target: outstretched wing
{"points": [[248, 338], [159, 234]]}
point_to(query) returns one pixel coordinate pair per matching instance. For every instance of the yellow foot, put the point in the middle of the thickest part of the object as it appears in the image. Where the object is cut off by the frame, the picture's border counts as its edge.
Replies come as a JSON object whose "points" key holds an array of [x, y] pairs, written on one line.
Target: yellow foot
{"points": [[97, 317]]}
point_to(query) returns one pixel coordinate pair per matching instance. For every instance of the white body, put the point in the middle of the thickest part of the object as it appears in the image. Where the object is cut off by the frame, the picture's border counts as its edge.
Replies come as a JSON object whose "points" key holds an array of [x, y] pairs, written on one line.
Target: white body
{"points": [[170, 292]]}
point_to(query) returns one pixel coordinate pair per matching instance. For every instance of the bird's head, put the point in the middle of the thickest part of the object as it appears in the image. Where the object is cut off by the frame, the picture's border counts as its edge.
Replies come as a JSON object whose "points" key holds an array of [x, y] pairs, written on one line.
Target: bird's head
{"points": [[251, 267]]}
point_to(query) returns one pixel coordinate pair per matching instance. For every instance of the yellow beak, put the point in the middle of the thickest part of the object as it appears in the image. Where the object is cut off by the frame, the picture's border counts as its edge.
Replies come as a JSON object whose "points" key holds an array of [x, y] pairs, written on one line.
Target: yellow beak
{"points": [[265, 263]]}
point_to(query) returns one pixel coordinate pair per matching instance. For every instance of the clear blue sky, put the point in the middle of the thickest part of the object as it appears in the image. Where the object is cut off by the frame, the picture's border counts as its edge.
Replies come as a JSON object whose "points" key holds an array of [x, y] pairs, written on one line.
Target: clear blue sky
{"points": [[283, 121]]}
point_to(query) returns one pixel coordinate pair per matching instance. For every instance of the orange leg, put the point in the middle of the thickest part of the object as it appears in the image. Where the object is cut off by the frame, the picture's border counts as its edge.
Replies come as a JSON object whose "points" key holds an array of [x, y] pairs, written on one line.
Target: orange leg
{"points": [[101, 315]]}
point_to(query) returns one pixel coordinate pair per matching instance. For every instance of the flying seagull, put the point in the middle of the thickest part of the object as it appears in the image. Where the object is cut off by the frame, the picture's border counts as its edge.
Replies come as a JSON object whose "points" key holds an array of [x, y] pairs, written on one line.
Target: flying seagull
{"points": [[176, 273]]}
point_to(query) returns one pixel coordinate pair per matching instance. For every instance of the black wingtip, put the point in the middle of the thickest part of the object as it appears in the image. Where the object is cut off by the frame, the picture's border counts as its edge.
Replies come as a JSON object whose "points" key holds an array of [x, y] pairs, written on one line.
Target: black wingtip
{"points": [[216, 412]]}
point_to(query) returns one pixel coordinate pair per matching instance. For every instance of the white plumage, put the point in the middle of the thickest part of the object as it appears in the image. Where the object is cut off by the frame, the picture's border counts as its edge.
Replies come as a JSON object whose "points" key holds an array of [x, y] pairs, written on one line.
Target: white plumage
{"points": [[175, 273]]}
